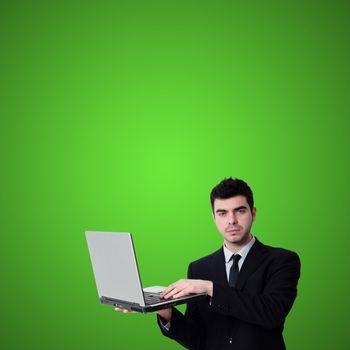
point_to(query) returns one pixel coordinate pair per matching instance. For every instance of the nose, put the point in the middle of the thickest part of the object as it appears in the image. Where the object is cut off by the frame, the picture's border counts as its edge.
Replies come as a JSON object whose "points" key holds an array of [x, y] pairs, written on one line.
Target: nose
{"points": [[232, 218]]}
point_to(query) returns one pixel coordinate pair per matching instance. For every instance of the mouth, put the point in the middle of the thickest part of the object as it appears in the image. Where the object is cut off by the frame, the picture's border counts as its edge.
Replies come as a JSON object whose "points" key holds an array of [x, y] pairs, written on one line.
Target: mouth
{"points": [[233, 231]]}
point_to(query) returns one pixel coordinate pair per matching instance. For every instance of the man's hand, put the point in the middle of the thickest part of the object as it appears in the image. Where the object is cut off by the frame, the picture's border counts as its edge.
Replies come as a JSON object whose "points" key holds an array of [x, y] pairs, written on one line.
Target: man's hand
{"points": [[179, 289], [185, 287], [126, 311], [164, 313]]}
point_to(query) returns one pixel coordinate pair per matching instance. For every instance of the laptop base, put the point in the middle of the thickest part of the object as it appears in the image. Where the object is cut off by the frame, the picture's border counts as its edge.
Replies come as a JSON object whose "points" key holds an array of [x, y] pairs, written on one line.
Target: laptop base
{"points": [[122, 304]]}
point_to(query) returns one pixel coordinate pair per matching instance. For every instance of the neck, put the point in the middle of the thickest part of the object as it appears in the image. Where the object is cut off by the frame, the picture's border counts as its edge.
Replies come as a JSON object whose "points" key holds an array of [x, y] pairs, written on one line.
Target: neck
{"points": [[235, 247]]}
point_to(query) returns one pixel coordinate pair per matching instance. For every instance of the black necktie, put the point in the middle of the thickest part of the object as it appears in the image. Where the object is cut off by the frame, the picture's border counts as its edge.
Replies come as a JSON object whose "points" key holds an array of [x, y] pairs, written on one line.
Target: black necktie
{"points": [[234, 270]]}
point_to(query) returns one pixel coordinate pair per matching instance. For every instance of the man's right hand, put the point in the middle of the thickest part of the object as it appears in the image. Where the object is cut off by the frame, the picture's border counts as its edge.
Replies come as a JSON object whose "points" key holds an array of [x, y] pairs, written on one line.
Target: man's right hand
{"points": [[126, 311], [165, 313]]}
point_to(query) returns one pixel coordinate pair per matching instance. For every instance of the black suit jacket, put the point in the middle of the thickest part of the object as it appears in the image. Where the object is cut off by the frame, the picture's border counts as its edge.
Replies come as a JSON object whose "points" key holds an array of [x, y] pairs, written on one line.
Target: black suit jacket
{"points": [[247, 317]]}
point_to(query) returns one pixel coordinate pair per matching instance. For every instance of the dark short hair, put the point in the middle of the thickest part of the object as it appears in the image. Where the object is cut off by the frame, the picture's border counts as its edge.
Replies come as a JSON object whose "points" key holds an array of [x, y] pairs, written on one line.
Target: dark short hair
{"points": [[232, 187]]}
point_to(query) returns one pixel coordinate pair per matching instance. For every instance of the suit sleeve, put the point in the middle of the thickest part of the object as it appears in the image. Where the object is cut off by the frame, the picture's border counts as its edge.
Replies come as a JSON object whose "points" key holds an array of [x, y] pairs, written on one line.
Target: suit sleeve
{"points": [[268, 309], [185, 329]]}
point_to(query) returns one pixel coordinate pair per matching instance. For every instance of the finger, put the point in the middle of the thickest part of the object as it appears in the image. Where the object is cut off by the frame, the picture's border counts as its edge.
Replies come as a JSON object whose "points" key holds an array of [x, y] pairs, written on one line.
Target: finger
{"points": [[126, 311], [182, 293], [173, 293], [167, 291], [171, 287], [119, 309]]}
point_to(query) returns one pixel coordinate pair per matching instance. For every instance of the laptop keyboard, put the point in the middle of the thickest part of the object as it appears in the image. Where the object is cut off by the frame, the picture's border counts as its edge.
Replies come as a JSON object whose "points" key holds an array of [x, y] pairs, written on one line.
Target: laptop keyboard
{"points": [[152, 298]]}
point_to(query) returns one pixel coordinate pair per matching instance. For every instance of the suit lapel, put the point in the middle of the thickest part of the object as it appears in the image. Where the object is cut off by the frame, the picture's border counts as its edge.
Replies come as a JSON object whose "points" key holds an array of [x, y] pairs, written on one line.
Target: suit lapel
{"points": [[218, 269], [253, 260]]}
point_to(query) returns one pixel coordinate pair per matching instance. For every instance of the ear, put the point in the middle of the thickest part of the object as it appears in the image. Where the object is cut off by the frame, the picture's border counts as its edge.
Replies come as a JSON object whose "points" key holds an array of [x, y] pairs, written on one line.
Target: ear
{"points": [[254, 213]]}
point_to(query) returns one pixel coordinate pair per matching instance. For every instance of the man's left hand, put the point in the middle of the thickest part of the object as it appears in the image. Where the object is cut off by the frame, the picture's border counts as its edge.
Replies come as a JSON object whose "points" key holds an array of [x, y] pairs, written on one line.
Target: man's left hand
{"points": [[185, 287]]}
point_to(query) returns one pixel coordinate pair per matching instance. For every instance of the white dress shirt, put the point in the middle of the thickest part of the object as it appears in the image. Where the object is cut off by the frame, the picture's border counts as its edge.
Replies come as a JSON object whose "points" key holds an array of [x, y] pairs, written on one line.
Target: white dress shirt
{"points": [[243, 252]]}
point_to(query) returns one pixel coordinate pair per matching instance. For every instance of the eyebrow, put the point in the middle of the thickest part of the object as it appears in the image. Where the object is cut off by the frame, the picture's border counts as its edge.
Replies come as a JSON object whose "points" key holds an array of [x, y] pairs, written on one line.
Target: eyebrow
{"points": [[235, 209]]}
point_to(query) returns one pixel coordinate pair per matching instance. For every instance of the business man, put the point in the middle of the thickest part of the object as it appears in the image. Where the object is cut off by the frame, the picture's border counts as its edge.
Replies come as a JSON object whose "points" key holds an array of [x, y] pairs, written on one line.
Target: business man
{"points": [[251, 287]]}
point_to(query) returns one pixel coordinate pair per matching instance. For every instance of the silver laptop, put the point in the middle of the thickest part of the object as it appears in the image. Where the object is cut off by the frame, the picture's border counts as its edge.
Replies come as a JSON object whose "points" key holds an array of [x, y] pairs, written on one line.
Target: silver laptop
{"points": [[117, 275]]}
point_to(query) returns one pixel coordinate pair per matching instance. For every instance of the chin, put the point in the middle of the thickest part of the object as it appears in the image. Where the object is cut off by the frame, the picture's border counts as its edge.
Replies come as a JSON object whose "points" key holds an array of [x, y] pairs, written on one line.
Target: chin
{"points": [[234, 239]]}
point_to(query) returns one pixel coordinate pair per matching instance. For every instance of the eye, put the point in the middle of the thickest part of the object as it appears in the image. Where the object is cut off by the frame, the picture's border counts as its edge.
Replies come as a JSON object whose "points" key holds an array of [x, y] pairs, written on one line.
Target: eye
{"points": [[221, 213], [242, 210]]}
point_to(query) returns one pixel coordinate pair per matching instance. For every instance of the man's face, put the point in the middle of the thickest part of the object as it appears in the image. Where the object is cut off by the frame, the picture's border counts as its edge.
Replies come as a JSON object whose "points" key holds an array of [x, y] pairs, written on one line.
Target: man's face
{"points": [[234, 219]]}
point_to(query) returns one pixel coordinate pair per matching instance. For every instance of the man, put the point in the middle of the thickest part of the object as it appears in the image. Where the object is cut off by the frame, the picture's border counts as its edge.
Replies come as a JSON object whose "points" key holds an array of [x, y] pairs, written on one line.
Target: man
{"points": [[251, 287]]}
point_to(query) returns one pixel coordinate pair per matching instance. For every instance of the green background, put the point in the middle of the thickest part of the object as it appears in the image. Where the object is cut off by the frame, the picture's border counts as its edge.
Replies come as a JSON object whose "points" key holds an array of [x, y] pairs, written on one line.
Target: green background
{"points": [[122, 116]]}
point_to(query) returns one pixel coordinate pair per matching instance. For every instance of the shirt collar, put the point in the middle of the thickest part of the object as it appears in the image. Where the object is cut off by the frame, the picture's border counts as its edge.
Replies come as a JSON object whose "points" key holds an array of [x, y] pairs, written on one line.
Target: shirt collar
{"points": [[242, 252]]}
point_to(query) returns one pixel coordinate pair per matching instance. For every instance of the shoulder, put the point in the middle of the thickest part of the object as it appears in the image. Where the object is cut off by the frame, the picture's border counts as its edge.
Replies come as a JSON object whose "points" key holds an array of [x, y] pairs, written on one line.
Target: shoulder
{"points": [[276, 255], [208, 259], [277, 251]]}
